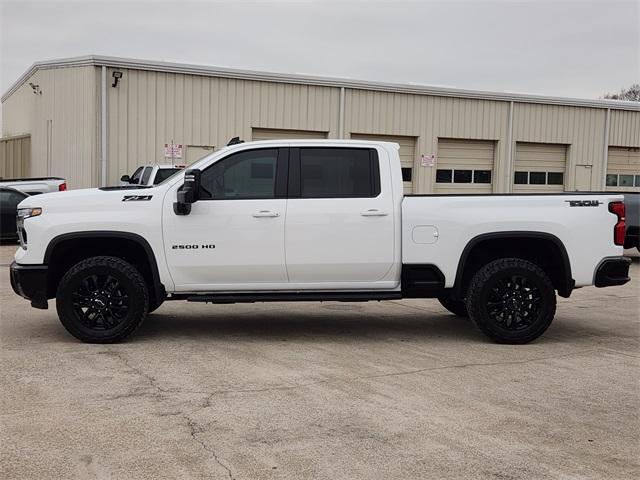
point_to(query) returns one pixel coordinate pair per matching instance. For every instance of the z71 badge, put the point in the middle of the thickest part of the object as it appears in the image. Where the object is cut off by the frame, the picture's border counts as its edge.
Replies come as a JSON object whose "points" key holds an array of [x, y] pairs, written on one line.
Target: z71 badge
{"points": [[137, 198], [583, 203]]}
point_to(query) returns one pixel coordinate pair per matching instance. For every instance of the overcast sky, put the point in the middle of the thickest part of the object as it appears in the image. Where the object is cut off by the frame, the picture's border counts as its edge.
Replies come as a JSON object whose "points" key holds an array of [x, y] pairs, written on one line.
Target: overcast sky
{"points": [[567, 48]]}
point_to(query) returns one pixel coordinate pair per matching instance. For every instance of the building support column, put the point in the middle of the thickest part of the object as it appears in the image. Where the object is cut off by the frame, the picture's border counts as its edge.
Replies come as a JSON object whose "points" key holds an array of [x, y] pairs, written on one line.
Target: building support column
{"points": [[341, 114], [103, 128], [509, 185], [605, 151]]}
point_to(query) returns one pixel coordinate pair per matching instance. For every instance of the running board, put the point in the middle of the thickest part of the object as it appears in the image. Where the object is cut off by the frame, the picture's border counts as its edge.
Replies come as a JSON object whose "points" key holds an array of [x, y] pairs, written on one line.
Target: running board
{"points": [[291, 297]]}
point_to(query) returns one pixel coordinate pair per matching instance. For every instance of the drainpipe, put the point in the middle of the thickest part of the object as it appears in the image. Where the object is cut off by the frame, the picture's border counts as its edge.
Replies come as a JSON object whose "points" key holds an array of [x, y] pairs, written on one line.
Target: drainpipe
{"points": [[103, 128], [341, 114], [605, 150], [510, 150]]}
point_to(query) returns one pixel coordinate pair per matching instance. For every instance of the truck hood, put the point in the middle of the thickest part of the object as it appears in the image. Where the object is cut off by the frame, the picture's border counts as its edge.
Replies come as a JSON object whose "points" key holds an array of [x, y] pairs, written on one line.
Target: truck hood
{"points": [[87, 199]]}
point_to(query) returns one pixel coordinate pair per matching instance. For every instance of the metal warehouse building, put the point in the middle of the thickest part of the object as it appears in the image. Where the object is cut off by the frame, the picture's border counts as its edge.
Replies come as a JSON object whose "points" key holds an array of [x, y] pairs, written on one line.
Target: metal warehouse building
{"points": [[92, 119]]}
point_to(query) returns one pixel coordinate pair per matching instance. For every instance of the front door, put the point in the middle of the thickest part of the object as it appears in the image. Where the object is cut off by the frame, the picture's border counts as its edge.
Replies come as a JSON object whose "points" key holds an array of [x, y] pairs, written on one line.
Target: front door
{"points": [[234, 236]]}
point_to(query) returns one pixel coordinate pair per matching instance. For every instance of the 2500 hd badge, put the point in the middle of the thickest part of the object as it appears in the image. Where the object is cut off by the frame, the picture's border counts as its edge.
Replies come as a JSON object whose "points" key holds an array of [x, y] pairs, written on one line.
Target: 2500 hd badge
{"points": [[191, 247]]}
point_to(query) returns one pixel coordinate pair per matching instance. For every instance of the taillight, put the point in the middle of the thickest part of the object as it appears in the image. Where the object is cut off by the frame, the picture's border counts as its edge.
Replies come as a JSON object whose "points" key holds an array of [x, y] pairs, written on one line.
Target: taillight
{"points": [[618, 230], [62, 187]]}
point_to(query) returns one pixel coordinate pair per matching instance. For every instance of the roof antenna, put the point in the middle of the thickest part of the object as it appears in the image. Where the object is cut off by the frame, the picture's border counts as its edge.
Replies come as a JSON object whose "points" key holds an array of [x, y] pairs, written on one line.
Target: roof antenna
{"points": [[235, 141]]}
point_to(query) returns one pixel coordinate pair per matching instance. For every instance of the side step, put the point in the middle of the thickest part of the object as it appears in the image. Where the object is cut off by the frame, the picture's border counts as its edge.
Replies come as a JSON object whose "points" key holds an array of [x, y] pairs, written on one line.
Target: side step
{"points": [[291, 297]]}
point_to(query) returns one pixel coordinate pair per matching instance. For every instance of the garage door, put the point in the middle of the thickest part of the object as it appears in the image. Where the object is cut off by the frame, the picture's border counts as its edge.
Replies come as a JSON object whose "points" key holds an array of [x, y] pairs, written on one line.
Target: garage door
{"points": [[623, 169], [539, 167], [407, 154], [281, 134], [464, 166]]}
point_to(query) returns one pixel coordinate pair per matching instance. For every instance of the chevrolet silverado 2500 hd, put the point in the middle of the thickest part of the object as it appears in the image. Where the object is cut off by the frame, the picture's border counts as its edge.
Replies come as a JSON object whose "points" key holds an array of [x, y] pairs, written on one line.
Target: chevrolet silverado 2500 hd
{"points": [[311, 220]]}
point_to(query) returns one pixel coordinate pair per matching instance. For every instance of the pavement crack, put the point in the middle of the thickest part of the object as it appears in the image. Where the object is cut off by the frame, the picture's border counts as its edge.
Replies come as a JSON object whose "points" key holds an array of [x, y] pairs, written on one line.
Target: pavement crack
{"points": [[161, 394]]}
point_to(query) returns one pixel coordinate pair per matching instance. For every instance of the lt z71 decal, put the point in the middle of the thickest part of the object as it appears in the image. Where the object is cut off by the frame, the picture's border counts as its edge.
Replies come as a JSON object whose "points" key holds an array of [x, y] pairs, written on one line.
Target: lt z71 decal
{"points": [[583, 203], [137, 198]]}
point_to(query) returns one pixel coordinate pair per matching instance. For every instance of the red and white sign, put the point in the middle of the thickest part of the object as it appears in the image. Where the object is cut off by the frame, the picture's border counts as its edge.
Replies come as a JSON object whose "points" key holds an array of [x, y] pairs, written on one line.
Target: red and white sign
{"points": [[173, 150], [428, 160]]}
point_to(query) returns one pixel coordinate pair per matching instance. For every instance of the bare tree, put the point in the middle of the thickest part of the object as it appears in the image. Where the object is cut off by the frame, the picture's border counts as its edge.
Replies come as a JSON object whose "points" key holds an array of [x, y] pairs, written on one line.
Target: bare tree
{"points": [[631, 94]]}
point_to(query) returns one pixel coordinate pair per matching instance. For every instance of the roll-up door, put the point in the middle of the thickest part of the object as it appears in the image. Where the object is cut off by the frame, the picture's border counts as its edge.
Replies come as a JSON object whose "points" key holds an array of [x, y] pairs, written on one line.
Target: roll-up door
{"points": [[464, 166], [407, 154], [539, 167], [282, 134], [623, 169]]}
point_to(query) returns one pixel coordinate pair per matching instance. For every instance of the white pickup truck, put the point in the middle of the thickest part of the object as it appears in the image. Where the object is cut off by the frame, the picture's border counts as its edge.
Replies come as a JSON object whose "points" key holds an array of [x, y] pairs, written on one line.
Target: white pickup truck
{"points": [[305, 220], [35, 185]]}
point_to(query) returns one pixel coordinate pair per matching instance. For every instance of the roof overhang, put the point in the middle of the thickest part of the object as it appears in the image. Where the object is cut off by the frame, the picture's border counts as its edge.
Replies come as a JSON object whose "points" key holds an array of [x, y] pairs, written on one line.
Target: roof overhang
{"points": [[210, 71]]}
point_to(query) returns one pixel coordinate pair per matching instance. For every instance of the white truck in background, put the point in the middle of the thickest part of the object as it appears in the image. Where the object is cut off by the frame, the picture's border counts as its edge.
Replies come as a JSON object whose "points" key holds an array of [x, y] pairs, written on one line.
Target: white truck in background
{"points": [[36, 185], [311, 220], [148, 175]]}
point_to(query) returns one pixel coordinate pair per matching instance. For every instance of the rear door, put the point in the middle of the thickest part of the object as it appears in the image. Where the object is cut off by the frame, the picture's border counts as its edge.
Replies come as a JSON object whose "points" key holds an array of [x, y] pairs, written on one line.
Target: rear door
{"points": [[340, 218]]}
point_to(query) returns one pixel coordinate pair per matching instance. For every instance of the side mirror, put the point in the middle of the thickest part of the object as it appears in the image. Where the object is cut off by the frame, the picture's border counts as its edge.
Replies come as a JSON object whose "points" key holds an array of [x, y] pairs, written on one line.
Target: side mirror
{"points": [[188, 193], [125, 179]]}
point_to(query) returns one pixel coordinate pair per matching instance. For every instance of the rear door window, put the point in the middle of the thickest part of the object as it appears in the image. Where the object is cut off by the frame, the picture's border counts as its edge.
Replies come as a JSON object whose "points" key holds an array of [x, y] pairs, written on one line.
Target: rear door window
{"points": [[146, 174], [338, 173], [163, 174]]}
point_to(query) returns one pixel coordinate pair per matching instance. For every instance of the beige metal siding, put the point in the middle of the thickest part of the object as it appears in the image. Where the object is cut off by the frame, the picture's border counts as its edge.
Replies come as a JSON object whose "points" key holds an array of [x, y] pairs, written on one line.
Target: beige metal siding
{"points": [[581, 128], [282, 134], [407, 152], [540, 158], [428, 118], [15, 156], [624, 128], [149, 109], [624, 167], [458, 154], [196, 152]]}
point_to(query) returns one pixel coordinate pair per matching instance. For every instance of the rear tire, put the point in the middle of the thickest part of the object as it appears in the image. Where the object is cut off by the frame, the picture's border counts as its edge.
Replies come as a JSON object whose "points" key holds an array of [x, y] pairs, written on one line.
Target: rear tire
{"points": [[457, 307], [511, 301], [102, 300]]}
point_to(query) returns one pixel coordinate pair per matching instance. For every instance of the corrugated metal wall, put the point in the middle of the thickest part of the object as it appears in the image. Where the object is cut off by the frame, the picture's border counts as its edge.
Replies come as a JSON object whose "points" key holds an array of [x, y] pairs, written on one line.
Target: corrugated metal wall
{"points": [[15, 155], [62, 121], [149, 109]]}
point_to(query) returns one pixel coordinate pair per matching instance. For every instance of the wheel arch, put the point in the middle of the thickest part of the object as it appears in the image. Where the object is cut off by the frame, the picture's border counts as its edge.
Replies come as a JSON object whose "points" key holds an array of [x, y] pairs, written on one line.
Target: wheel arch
{"points": [[76, 246], [487, 247]]}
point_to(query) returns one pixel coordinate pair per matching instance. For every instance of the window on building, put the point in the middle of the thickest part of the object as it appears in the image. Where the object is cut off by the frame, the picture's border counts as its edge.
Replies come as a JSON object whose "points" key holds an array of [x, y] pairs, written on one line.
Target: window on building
{"points": [[338, 173], [625, 180], [406, 174], [463, 176], [244, 175], [538, 178]]}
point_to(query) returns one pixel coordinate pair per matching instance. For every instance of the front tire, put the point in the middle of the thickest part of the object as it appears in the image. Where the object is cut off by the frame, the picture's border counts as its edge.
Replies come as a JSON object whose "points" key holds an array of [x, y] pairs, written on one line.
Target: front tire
{"points": [[102, 300], [511, 301]]}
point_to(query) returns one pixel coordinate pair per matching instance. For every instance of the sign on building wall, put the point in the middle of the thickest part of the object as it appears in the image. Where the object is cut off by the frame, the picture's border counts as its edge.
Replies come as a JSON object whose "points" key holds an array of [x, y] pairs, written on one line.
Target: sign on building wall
{"points": [[173, 150], [428, 160]]}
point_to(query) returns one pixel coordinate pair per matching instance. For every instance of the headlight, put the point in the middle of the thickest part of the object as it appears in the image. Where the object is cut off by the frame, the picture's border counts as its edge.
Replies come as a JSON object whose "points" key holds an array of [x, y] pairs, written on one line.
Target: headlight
{"points": [[24, 213]]}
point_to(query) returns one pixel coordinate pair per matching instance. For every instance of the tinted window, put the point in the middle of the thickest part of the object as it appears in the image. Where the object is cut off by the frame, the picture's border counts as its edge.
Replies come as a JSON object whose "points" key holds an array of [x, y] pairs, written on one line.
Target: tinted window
{"points": [[244, 175], [136, 175], [521, 178], [537, 178], [637, 180], [164, 173], [146, 174], [625, 181], [462, 176], [11, 199], [338, 173], [443, 176], [482, 176], [612, 180], [406, 174], [555, 178]]}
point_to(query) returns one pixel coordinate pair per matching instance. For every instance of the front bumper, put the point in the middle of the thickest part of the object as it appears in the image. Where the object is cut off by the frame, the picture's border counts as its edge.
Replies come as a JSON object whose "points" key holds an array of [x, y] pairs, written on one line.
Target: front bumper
{"points": [[30, 282], [612, 271]]}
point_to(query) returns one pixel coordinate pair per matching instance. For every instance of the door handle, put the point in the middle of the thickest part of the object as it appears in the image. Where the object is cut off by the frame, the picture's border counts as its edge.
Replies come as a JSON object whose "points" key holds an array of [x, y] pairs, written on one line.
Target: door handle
{"points": [[265, 213], [373, 212]]}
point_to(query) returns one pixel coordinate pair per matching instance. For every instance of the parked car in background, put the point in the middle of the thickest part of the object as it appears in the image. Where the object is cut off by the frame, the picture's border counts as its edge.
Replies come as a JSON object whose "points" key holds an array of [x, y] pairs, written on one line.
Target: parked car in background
{"points": [[9, 200], [632, 233], [150, 174], [312, 220], [36, 185]]}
